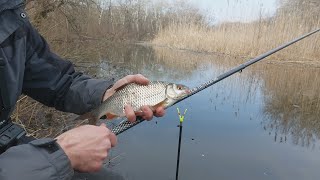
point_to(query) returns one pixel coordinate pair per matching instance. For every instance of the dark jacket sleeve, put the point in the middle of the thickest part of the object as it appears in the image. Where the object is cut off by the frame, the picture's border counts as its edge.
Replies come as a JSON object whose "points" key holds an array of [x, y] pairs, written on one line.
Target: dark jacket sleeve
{"points": [[54, 82], [32, 161]]}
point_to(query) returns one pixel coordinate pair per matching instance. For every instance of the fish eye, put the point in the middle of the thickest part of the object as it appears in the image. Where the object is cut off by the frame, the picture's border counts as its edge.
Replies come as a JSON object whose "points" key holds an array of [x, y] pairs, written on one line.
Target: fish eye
{"points": [[179, 87]]}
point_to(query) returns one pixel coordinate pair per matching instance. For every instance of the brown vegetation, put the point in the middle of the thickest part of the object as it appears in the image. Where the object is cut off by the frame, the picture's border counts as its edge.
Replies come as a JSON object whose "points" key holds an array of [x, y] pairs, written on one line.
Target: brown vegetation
{"points": [[293, 18], [62, 21], [39, 120], [177, 25]]}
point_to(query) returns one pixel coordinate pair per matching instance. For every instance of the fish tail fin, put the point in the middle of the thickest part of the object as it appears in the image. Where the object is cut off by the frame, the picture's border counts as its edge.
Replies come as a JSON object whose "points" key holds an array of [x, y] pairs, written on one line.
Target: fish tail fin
{"points": [[91, 117]]}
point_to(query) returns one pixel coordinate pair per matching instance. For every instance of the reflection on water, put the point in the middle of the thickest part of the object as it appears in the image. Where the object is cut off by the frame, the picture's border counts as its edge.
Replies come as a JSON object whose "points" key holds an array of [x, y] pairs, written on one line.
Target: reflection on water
{"points": [[144, 60], [292, 103], [254, 125]]}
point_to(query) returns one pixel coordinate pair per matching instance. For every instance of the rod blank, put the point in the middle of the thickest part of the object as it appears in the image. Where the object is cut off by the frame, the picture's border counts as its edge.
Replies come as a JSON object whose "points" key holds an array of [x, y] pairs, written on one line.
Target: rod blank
{"points": [[127, 125]]}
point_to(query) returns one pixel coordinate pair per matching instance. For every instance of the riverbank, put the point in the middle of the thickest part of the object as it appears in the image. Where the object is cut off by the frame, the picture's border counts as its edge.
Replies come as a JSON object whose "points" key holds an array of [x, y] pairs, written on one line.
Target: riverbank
{"points": [[240, 40], [273, 59], [249, 39]]}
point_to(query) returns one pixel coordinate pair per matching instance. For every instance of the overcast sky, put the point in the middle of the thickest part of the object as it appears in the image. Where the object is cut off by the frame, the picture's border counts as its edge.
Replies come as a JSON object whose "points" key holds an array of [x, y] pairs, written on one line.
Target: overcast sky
{"points": [[236, 10]]}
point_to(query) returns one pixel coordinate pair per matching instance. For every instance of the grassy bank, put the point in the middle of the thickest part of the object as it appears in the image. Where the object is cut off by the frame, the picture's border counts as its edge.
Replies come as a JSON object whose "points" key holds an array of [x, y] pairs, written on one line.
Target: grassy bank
{"points": [[249, 39]]}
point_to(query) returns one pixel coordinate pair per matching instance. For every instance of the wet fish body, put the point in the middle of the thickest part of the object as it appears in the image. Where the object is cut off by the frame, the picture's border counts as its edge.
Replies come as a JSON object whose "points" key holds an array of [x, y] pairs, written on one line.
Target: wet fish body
{"points": [[156, 93]]}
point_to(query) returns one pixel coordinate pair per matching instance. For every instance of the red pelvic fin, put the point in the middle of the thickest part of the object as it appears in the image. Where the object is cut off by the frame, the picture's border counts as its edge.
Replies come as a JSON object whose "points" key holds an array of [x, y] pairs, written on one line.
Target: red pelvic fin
{"points": [[111, 116]]}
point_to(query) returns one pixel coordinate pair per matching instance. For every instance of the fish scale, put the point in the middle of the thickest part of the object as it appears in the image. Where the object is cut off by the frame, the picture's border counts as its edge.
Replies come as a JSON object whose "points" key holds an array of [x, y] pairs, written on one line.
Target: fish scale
{"points": [[154, 94], [137, 96]]}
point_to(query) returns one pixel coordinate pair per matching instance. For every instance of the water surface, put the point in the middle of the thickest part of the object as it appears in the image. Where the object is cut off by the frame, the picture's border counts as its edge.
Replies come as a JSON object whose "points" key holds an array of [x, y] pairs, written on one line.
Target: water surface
{"points": [[262, 123]]}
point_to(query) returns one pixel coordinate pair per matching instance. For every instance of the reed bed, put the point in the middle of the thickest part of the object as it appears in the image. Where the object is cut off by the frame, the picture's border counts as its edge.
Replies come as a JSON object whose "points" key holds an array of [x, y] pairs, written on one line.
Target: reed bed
{"points": [[249, 39]]}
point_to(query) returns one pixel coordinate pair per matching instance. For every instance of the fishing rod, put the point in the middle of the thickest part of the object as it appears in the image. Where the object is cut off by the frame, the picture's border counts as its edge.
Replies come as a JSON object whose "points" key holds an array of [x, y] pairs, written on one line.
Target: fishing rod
{"points": [[127, 125]]}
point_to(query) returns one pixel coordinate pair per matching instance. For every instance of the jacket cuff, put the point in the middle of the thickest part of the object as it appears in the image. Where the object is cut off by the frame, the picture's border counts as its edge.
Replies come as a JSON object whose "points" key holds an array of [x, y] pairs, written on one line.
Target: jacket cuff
{"points": [[101, 86], [56, 157], [84, 94]]}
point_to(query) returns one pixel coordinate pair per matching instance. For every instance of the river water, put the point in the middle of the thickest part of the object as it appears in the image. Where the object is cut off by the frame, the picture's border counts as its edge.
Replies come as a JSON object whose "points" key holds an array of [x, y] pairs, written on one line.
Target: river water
{"points": [[263, 123]]}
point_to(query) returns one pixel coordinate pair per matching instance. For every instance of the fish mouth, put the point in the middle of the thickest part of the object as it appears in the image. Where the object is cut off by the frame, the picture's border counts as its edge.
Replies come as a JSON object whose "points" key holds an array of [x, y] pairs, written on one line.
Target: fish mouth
{"points": [[188, 91]]}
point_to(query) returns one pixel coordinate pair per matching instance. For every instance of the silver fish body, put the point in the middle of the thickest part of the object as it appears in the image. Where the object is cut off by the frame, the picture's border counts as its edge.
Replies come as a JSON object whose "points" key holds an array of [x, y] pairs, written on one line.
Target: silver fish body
{"points": [[156, 93]]}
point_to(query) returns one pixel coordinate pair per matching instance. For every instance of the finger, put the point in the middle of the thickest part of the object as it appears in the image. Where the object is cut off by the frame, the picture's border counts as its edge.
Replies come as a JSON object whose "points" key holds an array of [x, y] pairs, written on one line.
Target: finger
{"points": [[103, 125], [148, 114], [138, 78], [113, 139], [139, 113], [129, 113], [116, 85], [160, 112], [121, 82]]}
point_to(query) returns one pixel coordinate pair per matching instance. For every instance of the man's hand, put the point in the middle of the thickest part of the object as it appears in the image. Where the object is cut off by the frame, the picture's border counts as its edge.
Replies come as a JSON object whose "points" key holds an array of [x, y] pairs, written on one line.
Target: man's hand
{"points": [[87, 146], [147, 113]]}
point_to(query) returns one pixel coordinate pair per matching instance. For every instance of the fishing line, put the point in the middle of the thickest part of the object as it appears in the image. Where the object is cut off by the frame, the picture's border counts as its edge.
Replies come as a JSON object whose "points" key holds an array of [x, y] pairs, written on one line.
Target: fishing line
{"points": [[127, 124]]}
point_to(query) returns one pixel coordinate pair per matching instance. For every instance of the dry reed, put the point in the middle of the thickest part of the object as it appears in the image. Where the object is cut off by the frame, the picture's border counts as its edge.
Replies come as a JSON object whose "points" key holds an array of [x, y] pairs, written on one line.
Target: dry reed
{"points": [[248, 39]]}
